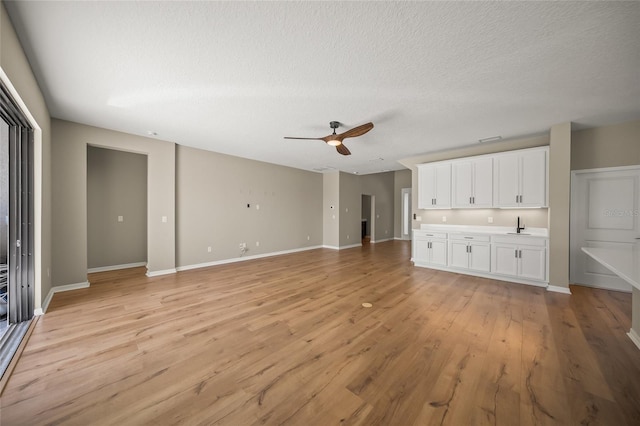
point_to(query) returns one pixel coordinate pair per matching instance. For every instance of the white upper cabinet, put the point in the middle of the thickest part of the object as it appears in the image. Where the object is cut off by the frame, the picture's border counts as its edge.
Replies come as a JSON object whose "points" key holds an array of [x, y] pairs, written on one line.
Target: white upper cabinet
{"points": [[502, 180], [472, 183], [520, 178], [434, 185]]}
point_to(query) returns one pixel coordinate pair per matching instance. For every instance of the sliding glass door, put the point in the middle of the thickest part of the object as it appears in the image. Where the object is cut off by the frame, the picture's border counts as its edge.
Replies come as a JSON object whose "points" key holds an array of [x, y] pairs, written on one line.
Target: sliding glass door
{"points": [[17, 229]]}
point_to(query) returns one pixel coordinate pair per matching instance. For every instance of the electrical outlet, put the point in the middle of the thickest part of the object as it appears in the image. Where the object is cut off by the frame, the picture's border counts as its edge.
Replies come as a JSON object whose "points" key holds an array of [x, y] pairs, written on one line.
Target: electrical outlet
{"points": [[257, 243], [347, 236], [209, 249], [308, 237], [444, 218], [120, 218], [490, 219], [418, 218]]}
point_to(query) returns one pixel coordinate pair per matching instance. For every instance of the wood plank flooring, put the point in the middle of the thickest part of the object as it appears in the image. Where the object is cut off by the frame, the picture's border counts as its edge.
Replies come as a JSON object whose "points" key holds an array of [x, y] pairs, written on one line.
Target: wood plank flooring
{"points": [[285, 340]]}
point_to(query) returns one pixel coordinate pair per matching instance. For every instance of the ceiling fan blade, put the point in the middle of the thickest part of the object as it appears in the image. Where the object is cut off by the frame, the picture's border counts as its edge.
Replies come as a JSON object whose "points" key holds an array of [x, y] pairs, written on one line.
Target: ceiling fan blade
{"points": [[343, 150], [308, 139], [357, 131]]}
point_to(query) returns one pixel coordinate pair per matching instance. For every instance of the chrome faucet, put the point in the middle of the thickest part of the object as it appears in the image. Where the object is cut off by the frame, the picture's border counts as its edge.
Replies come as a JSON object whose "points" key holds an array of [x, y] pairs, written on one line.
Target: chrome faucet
{"points": [[518, 228]]}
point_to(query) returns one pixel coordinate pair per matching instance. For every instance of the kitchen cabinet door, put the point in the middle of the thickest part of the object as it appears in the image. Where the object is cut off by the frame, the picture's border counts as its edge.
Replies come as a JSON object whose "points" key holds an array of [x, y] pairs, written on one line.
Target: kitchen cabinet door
{"points": [[505, 259], [458, 254], [439, 252], [479, 257], [434, 185], [483, 183], [532, 263], [533, 179], [506, 180]]}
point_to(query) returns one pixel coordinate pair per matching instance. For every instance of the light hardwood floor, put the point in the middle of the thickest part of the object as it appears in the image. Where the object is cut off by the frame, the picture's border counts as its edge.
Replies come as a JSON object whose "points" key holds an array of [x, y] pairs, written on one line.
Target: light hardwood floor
{"points": [[285, 340]]}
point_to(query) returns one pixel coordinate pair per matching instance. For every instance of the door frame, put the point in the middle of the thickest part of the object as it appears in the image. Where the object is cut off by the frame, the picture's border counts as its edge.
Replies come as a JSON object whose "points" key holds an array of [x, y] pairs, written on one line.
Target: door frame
{"points": [[573, 217]]}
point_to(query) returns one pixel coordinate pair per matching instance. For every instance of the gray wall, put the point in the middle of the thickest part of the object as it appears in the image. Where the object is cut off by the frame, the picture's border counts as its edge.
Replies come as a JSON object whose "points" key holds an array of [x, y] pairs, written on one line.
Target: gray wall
{"points": [[608, 146], [16, 67], [345, 229], [401, 179], [559, 198], [212, 194], [70, 197], [331, 209], [116, 186], [350, 206]]}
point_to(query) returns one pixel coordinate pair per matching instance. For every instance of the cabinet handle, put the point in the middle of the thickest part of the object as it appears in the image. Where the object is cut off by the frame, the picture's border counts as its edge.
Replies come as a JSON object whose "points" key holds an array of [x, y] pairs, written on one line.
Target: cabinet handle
{"points": [[473, 200], [520, 254], [517, 198], [469, 249], [470, 200], [516, 254], [468, 238]]}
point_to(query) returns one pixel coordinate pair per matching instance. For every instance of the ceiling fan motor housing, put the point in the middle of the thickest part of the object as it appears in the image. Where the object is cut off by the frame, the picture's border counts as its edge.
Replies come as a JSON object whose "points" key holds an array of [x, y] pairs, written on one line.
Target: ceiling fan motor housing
{"points": [[334, 124]]}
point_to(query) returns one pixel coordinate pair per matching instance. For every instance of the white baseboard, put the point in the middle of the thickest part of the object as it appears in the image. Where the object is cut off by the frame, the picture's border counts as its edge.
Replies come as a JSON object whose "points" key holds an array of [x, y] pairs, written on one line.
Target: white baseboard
{"points": [[59, 289], [350, 246], [116, 267], [635, 338], [243, 258], [162, 272], [381, 241], [558, 289], [331, 247]]}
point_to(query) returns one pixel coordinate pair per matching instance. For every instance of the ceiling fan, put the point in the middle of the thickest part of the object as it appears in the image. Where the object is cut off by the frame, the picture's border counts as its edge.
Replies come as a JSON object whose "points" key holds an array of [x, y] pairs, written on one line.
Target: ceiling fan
{"points": [[336, 139]]}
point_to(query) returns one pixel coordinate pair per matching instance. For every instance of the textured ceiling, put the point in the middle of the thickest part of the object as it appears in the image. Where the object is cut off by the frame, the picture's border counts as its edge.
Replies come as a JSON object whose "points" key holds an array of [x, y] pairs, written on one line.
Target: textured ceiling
{"points": [[237, 77]]}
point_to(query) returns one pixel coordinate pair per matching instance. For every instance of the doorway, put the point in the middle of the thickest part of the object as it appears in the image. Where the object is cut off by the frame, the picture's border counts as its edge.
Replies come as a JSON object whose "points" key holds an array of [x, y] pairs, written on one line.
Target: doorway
{"points": [[406, 213], [116, 209], [604, 213], [368, 218]]}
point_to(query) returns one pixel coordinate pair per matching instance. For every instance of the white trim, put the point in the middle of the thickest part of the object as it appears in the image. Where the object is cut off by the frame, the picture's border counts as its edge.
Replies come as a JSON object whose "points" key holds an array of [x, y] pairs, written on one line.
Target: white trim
{"points": [[162, 272], [331, 247], [58, 289], [558, 289], [605, 169], [351, 246], [635, 338], [242, 259], [116, 267], [381, 241]]}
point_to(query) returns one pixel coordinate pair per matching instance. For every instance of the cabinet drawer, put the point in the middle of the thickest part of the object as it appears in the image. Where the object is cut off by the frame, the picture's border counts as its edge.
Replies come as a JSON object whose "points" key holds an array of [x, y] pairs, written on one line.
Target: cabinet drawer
{"points": [[427, 234], [520, 240], [465, 237]]}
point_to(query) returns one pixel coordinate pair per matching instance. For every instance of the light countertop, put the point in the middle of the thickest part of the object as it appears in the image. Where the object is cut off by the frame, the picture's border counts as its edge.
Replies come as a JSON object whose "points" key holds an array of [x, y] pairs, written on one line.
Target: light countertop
{"points": [[494, 230]]}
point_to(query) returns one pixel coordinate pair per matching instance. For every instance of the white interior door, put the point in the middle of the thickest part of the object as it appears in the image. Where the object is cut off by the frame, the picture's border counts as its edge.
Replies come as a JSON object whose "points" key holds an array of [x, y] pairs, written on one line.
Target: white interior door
{"points": [[604, 213]]}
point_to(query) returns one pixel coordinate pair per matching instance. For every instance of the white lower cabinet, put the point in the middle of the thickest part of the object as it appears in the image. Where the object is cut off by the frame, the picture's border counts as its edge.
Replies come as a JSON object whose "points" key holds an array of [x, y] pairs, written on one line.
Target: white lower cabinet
{"points": [[430, 248], [516, 258], [470, 252], [524, 259]]}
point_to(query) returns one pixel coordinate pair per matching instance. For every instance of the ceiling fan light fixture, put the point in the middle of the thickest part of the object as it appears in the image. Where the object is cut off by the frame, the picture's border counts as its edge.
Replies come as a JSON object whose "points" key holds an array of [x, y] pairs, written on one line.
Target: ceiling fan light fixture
{"points": [[334, 142]]}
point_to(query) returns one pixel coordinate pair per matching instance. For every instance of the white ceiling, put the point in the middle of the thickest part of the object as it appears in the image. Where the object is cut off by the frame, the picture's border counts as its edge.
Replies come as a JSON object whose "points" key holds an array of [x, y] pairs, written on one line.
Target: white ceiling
{"points": [[236, 77]]}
